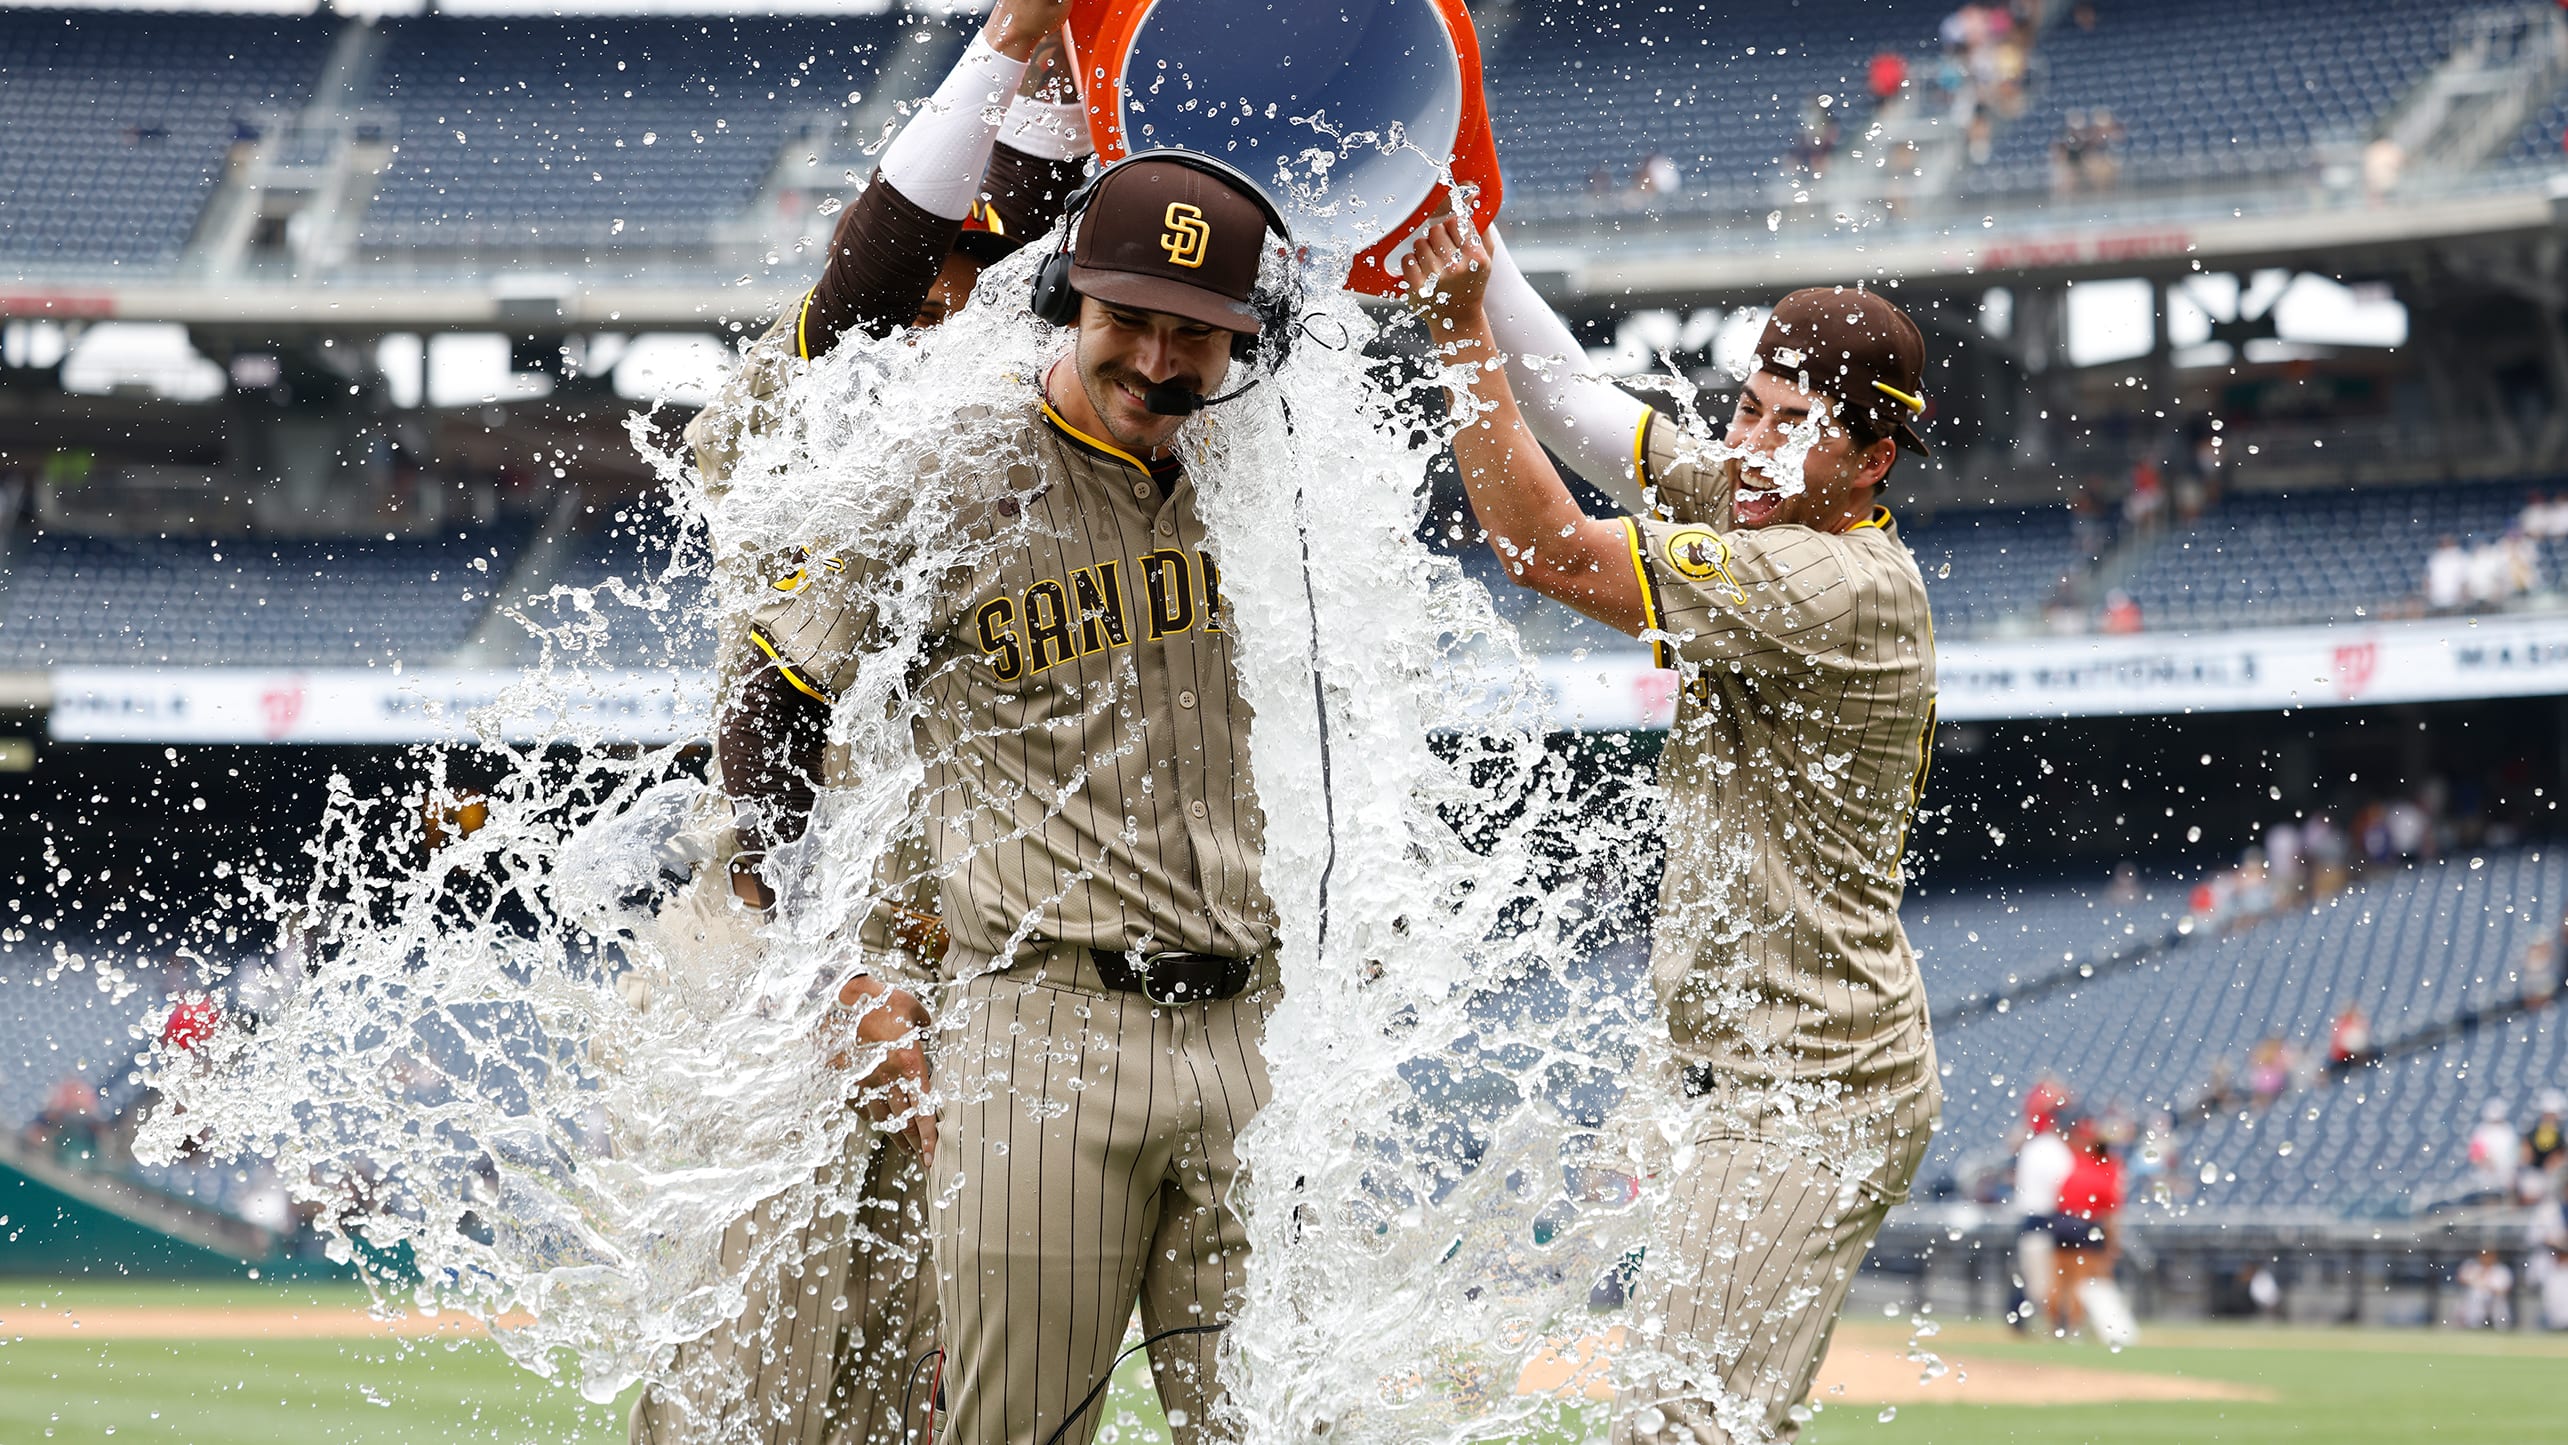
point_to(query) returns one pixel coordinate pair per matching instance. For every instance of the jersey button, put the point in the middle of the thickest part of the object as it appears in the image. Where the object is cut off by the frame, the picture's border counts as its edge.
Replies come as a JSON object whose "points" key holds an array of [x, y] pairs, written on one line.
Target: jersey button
{"points": [[1167, 528], [1196, 807], [1185, 699], [1143, 490]]}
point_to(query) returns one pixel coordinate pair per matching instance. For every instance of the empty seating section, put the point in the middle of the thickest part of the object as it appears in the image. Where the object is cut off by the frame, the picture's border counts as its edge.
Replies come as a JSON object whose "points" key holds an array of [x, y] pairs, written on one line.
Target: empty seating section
{"points": [[648, 601], [2316, 557], [57, 1023], [2545, 136], [1577, 87], [1985, 939], [2214, 90], [2415, 947], [243, 601], [1986, 565], [582, 131], [118, 125]]}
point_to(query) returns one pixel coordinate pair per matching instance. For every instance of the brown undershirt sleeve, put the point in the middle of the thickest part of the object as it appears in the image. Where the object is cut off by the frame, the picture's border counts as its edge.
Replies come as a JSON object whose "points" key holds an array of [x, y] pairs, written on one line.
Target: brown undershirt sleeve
{"points": [[1029, 190], [883, 260], [770, 738]]}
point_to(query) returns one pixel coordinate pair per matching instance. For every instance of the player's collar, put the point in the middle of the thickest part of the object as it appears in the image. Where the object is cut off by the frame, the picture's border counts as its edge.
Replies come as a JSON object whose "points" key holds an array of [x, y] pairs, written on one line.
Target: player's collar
{"points": [[1085, 442], [1880, 518]]}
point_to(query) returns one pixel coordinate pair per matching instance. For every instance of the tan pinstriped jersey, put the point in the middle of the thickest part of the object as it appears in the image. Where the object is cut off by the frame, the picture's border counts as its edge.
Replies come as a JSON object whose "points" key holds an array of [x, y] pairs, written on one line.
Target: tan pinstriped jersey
{"points": [[1085, 739], [1791, 775]]}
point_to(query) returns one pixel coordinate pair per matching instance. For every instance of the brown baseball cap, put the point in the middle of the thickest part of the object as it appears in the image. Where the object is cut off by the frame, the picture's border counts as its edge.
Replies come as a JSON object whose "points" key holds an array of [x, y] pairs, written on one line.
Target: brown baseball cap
{"points": [[1855, 348], [1165, 235]]}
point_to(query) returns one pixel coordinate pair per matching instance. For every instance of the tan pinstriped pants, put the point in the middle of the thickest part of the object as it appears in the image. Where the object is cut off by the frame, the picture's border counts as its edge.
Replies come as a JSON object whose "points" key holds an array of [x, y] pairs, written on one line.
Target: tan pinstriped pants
{"points": [[1084, 1163], [1743, 1299], [826, 1347], [840, 1312]]}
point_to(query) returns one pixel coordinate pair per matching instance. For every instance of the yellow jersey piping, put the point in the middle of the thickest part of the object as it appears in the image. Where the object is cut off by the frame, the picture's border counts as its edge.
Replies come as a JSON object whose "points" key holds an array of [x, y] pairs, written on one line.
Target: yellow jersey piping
{"points": [[1641, 447], [792, 674], [802, 320], [1091, 443], [1649, 595]]}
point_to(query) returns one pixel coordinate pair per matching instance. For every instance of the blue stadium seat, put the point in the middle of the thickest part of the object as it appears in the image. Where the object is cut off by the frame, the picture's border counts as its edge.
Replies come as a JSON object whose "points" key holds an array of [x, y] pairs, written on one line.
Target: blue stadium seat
{"points": [[2262, 84], [73, 599], [525, 131], [121, 122]]}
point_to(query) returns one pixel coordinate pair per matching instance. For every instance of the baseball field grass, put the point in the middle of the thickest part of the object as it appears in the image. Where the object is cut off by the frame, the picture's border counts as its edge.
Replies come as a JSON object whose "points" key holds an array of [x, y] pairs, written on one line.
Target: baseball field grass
{"points": [[175, 1364]]}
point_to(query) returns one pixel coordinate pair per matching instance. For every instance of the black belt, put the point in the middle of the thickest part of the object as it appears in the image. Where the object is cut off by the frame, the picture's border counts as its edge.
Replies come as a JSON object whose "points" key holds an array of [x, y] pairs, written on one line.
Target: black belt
{"points": [[1171, 979], [1699, 1080]]}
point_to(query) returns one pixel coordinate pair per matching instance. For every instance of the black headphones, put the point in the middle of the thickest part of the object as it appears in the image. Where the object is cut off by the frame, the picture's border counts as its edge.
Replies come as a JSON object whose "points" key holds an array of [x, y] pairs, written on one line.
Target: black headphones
{"points": [[1056, 301]]}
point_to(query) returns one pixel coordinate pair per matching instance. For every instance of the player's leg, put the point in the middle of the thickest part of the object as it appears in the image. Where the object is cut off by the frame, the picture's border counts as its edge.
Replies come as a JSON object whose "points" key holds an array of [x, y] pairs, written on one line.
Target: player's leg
{"points": [[1045, 1192], [763, 1375], [889, 1323], [1198, 1261], [1769, 1239]]}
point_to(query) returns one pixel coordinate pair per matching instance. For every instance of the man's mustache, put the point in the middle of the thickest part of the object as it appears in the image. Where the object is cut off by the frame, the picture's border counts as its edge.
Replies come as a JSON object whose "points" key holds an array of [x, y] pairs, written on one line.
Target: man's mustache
{"points": [[1124, 376]]}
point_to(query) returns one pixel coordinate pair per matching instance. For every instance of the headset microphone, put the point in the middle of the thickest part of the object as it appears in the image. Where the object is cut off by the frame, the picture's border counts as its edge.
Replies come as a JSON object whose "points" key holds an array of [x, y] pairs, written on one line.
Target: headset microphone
{"points": [[1178, 401]]}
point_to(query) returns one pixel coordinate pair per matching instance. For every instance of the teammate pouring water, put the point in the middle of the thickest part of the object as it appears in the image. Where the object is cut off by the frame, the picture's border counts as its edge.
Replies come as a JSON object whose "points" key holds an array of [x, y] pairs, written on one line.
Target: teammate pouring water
{"points": [[1799, 622]]}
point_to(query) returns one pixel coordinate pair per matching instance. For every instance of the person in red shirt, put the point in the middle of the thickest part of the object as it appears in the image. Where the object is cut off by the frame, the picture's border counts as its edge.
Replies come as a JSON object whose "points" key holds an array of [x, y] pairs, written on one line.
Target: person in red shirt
{"points": [[2086, 1232]]}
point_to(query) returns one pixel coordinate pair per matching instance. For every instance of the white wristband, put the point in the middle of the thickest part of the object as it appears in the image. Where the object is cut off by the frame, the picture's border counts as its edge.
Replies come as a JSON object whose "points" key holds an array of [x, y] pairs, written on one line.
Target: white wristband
{"points": [[937, 159], [1047, 130]]}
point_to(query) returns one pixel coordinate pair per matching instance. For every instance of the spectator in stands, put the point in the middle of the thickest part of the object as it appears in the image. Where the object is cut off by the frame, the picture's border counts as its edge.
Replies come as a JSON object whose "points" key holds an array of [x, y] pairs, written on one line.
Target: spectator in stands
{"points": [[1819, 134], [2124, 889], [2285, 862], [2156, 1159], [2042, 1164], [2087, 1235], [2487, 1293], [2219, 1091], [1885, 74], [2324, 844], [2545, 1144], [70, 1119], [2068, 154], [2537, 978], [2122, 613], [2101, 164], [2144, 507], [2494, 1150], [1657, 176], [2269, 1072], [2383, 161], [2490, 578], [2522, 562], [2447, 576], [2544, 518], [2349, 1039]]}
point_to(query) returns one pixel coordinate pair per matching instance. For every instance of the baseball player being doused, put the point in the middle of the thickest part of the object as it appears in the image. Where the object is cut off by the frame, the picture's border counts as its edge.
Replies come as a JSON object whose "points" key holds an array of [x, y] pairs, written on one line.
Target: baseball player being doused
{"points": [[839, 1315], [1793, 769], [1091, 831]]}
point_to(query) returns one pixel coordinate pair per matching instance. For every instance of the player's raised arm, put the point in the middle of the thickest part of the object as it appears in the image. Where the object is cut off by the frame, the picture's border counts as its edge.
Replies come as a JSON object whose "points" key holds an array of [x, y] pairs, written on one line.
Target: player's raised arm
{"points": [[893, 242], [1589, 422], [1534, 524]]}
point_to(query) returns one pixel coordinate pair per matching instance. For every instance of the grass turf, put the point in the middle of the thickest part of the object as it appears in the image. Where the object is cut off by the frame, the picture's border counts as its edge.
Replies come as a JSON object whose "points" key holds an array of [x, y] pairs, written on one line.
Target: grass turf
{"points": [[2341, 1386], [2346, 1387]]}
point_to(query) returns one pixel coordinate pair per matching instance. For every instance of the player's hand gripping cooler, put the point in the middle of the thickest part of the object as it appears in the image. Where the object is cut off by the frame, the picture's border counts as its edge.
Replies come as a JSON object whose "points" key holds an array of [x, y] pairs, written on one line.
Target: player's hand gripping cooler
{"points": [[1348, 113]]}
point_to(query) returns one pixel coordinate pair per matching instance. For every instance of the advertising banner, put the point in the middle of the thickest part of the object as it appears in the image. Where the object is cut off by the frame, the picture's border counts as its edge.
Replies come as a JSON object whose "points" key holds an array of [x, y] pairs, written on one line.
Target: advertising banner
{"points": [[372, 705], [2249, 670]]}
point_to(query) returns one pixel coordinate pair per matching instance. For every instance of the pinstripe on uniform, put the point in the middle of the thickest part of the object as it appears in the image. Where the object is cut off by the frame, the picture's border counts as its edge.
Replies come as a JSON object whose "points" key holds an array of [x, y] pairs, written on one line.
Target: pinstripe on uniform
{"points": [[1791, 774], [836, 1312], [1087, 786]]}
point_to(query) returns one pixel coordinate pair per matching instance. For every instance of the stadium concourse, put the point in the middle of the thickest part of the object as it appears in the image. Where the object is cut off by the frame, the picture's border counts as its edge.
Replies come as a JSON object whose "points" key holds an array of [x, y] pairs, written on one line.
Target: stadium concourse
{"points": [[2246, 541]]}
